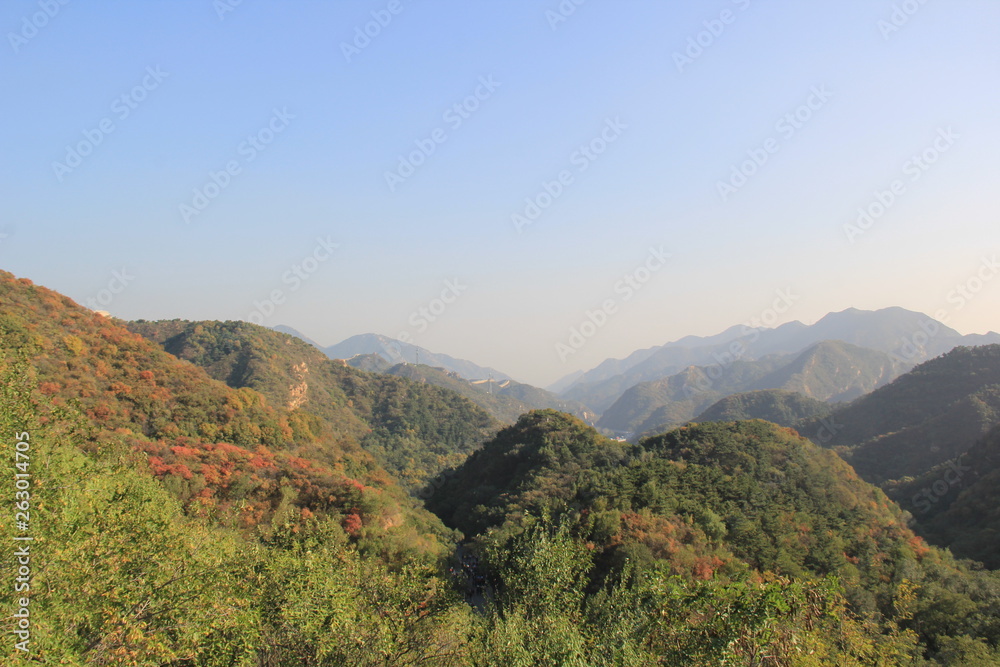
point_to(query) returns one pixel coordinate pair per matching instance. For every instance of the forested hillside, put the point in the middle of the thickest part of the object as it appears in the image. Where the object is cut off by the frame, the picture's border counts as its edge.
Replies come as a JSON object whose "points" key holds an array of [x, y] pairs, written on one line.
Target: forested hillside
{"points": [[215, 494], [216, 447], [719, 502], [506, 400], [176, 520], [957, 504], [922, 419], [785, 408], [413, 429]]}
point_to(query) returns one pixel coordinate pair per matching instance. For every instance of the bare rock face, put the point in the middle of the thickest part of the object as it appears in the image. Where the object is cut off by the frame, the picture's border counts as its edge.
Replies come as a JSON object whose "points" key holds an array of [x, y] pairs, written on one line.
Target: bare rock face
{"points": [[297, 392]]}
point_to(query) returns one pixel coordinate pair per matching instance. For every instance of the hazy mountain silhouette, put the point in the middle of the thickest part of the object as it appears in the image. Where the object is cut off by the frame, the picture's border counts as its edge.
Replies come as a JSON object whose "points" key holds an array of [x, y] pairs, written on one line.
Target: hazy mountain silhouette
{"points": [[909, 337]]}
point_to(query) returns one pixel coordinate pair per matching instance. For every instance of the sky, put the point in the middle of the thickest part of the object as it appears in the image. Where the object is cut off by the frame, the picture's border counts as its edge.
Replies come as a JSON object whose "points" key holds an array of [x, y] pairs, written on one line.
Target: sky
{"points": [[533, 186]]}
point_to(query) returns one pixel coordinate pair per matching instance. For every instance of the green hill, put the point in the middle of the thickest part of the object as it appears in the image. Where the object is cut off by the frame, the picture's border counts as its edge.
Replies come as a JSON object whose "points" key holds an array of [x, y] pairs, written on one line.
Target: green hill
{"points": [[922, 419], [541, 399], [785, 408], [505, 400], [505, 409], [957, 504], [544, 454], [215, 447], [753, 477], [372, 363], [178, 521], [122, 572], [719, 501], [413, 430]]}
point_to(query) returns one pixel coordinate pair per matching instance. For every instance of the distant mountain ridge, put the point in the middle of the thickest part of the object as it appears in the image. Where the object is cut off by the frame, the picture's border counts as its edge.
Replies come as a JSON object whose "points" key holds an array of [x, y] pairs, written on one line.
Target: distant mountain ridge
{"points": [[396, 351], [908, 337], [503, 397], [827, 371], [505, 400]]}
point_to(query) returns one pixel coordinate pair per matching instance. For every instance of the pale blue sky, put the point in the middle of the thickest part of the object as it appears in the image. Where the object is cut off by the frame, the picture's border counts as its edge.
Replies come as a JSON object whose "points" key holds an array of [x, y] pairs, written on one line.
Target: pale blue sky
{"points": [[656, 184]]}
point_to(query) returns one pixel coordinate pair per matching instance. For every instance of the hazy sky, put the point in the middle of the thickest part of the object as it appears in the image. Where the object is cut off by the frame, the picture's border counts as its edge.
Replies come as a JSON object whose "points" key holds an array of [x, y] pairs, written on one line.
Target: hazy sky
{"points": [[507, 167]]}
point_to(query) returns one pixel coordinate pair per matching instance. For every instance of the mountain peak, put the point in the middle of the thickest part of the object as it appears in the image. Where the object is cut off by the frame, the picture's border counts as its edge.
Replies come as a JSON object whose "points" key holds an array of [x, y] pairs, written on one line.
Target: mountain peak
{"points": [[397, 351], [907, 336]]}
